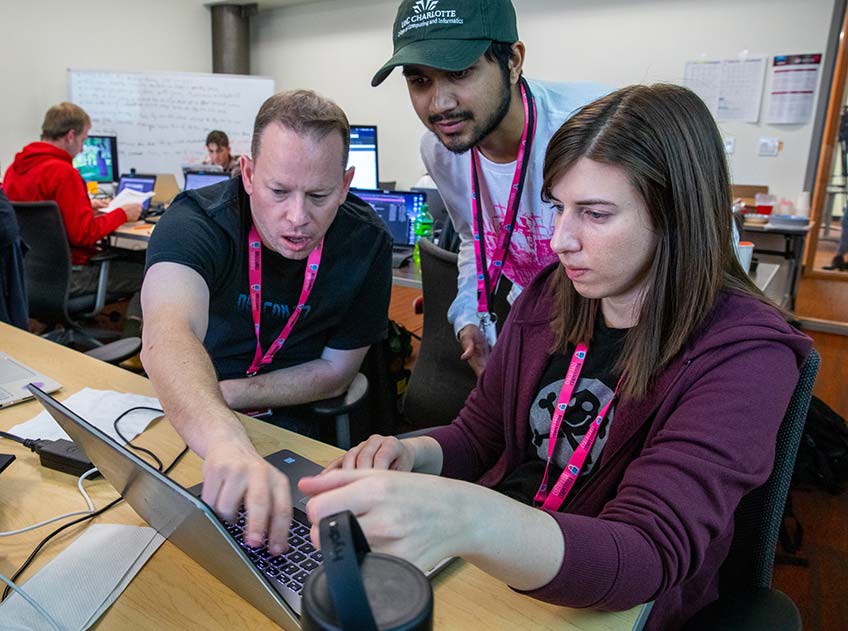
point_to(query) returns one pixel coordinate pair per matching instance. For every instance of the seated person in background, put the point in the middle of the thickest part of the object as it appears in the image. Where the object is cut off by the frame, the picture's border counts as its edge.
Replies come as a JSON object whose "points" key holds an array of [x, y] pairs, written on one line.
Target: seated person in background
{"points": [[13, 298], [45, 171], [262, 292], [218, 152], [620, 465]]}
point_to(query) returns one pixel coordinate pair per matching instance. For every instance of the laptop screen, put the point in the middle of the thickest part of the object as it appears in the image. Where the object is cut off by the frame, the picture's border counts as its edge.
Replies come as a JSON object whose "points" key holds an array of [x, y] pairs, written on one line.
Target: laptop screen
{"points": [[140, 183], [397, 209], [195, 180]]}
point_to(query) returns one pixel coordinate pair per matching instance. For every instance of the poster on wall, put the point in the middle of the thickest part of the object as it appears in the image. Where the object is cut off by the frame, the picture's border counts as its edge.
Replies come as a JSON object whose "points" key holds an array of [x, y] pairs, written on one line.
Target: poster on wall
{"points": [[731, 88], [794, 79]]}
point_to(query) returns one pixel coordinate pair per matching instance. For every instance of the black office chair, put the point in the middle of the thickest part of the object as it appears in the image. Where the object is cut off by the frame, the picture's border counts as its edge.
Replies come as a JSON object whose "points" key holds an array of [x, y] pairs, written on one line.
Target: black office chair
{"points": [[747, 601], [47, 267], [440, 380]]}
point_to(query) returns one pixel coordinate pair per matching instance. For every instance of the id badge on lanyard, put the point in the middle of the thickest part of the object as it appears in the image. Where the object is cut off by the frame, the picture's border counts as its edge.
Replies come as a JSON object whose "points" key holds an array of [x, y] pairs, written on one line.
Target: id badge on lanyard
{"points": [[488, 326], [489, 275]]}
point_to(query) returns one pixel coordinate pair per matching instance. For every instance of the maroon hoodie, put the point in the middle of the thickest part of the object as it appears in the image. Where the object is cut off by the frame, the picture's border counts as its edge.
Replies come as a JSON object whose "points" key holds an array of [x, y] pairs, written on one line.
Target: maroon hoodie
{"points": [[655, 520], [42, 171]]}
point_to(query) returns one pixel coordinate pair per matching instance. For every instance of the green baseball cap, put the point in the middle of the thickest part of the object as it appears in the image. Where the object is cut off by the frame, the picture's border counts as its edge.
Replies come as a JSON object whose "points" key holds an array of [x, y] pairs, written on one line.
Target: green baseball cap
{"points": [[447, 34]]}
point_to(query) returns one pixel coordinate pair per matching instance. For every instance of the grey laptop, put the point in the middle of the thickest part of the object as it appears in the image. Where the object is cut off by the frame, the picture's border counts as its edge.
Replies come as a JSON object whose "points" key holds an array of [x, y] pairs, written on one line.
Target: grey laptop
{"points": [[271, 584], [14, 378]]}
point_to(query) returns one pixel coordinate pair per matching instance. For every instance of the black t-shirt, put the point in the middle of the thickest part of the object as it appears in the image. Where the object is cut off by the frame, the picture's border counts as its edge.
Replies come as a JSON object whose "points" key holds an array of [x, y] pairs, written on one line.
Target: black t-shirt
{"points": [[206, 229], [594, 389]]}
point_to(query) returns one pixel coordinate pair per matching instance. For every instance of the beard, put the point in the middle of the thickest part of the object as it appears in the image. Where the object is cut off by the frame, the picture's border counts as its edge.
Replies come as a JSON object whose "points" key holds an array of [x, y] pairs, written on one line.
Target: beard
{"points": [[479, 130]]}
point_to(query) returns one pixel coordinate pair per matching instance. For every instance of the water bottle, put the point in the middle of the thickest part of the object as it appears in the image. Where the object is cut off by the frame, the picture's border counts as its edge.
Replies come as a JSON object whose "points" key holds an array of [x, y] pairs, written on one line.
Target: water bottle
{"points": [[422, 226]]}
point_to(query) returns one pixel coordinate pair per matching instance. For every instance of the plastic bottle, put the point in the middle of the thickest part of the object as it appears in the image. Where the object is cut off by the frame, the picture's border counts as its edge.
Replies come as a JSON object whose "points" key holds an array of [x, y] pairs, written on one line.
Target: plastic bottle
{"points": [[422, 226]]}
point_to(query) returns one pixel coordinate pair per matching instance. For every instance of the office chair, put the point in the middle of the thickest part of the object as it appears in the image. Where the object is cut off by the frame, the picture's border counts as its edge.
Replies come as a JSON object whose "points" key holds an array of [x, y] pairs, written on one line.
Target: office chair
{"points": [[336, 409], [47, 266], [440, 380], [746, 599]]}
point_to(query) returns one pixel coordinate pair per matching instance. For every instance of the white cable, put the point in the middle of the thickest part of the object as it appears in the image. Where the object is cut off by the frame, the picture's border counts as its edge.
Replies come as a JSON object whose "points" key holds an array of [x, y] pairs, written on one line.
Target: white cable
{"points": [[54, 519], [32, 602]]}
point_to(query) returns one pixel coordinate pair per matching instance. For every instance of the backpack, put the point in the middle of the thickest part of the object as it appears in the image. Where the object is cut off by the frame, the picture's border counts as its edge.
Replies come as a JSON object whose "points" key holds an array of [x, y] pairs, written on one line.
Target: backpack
{"points": [[823, 453]]}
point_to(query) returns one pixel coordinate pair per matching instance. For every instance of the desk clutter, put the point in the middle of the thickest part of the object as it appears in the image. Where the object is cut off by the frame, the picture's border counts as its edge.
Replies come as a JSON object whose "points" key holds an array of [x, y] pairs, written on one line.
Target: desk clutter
{"points": [[172, 591]]}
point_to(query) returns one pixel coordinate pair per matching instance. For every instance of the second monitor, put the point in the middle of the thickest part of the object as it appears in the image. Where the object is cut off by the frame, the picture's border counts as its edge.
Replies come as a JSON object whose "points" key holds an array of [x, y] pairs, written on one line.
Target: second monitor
{"points": [[98, 160], [363, 156]]}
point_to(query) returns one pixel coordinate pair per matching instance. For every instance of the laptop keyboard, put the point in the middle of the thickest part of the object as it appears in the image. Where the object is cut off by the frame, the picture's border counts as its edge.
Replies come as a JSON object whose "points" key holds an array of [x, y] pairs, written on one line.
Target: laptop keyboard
{"points": [[289, 569]]}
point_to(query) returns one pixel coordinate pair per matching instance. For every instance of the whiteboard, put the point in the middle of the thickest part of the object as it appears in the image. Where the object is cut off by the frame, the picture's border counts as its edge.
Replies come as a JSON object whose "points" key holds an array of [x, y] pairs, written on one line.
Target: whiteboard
{"points": [[161, 118]]}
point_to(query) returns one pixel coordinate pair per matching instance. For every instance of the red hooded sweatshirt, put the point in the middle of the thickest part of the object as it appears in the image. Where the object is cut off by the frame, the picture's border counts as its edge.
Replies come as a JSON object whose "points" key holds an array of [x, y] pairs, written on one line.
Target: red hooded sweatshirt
{"points": [[42, 171]]}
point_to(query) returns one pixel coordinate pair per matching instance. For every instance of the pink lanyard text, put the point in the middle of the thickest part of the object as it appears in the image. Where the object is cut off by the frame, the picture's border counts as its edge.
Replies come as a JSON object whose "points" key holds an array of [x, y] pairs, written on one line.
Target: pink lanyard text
{"points": [[254, 258], [487, 279], [553, 500]]}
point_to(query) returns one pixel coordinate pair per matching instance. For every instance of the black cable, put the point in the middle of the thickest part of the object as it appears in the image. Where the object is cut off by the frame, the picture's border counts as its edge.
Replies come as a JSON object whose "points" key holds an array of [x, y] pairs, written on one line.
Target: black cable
{"points": [[17, 439], [98, 512], [158, 462]]}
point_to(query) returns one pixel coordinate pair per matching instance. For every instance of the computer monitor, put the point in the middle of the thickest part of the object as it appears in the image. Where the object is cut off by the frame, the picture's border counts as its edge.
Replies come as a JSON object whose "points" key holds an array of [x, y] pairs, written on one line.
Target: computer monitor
{"points": [[397, 209], [199, 179], [140, 183], [98, 160], [363, 156]]}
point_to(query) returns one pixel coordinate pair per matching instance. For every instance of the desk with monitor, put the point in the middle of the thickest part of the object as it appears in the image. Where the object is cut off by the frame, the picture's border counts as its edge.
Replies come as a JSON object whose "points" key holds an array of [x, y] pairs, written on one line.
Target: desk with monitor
{"points": [[174, 592]]}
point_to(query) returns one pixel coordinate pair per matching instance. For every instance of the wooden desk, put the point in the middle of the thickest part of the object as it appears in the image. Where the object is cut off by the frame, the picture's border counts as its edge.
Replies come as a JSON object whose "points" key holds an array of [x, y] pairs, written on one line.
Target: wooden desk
{"points": [[172, 591]]}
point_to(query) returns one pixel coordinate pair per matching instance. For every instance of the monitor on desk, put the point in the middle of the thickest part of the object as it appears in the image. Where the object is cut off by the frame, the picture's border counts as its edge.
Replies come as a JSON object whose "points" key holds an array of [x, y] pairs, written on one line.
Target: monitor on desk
{"points": [[140, 183], [199, 179], [98, 160], [397, 209], [363, 156]]}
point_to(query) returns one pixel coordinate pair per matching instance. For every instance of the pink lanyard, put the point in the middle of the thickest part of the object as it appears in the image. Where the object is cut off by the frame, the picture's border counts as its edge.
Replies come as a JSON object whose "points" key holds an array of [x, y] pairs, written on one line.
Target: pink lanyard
{"points": [[487, 279], [254, 258], [569, 475]]}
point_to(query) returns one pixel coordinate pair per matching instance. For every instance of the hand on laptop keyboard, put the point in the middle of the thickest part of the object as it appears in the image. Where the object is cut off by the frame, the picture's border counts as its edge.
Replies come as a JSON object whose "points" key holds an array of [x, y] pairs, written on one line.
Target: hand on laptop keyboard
{"points": [[234, 474], [291, 568]]}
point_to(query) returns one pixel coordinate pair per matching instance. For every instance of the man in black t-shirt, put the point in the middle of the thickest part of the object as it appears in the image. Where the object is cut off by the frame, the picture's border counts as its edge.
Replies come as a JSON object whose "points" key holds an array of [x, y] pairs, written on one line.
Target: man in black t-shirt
{"points": [[291, 207]]}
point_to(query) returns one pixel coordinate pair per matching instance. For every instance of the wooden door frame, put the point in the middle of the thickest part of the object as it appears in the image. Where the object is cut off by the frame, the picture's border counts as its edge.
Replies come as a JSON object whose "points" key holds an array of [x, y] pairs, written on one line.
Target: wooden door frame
{"points": [[825, 162]]}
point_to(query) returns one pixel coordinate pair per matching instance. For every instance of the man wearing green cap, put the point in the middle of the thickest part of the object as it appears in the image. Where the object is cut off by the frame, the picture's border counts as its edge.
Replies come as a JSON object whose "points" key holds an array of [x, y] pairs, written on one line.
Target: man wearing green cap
{"points": [[462, 61]]}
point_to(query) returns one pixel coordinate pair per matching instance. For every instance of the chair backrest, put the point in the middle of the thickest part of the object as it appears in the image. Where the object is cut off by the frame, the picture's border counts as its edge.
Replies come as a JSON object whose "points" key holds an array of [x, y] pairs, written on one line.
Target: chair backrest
{"points": [[750, 563], [440, 380], [47, 262]]}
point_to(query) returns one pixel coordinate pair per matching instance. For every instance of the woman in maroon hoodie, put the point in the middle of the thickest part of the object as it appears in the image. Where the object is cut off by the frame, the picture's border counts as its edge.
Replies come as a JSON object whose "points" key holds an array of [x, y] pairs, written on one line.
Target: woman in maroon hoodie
{"points": [[632, 400]]}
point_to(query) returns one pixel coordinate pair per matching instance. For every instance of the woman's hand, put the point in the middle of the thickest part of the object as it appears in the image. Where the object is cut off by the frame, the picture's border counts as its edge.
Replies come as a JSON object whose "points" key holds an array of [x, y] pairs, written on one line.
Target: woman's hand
{"points": [[425, 519], [421, 518], [378, 452]]}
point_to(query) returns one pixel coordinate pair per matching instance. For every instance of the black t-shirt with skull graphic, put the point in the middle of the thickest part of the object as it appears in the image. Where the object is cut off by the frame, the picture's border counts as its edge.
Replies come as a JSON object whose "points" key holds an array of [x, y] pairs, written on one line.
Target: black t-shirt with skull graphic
{"points": [[594, 389]]}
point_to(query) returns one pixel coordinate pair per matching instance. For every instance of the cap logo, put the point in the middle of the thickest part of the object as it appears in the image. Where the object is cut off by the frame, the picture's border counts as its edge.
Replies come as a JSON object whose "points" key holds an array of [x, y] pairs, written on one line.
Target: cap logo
{"points": [[424, 5], [425, 13]]}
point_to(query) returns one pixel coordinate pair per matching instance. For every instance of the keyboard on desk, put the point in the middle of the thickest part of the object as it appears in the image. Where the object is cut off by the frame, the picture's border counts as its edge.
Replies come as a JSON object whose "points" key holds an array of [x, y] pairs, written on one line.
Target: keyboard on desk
{"points": [[289, 569]]}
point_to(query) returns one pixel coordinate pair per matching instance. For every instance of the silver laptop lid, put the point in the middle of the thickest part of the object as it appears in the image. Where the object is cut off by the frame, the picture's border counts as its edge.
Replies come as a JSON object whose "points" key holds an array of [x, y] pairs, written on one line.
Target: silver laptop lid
{"points": [[15, 377], [176, 514]]}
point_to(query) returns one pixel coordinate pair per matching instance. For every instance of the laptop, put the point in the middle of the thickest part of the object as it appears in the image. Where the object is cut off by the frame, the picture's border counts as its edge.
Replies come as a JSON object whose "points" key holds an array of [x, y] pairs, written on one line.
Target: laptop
{"points": [[397, 209], [14, 378], [271, 584], [199, 179], [140, 183]]}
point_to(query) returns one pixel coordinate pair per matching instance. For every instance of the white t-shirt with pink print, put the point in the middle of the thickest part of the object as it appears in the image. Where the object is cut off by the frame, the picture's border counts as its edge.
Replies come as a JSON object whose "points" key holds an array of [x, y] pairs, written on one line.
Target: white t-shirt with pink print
{"points": [[529, 249]]}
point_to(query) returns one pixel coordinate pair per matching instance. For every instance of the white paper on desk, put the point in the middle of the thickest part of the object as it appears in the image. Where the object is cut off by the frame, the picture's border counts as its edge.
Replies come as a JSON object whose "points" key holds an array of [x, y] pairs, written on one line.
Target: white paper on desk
{"points": [[98, 407], [82, 582], [127, 196]]}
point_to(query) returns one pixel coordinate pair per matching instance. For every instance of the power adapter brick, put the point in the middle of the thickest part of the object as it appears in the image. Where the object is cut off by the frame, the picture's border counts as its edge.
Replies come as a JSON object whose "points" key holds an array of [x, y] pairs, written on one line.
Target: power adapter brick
{"points": [[61, 455]]}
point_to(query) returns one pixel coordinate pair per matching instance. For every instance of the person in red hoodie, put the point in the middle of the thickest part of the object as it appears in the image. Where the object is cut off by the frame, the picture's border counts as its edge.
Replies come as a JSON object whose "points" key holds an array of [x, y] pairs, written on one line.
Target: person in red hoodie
{"points": [[44, 171]]}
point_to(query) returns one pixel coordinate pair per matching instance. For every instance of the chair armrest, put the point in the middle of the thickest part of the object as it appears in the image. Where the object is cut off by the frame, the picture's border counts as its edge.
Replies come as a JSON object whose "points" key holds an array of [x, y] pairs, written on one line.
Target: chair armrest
{"points": [[117, 351], [755, 610], [344, 403]]}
